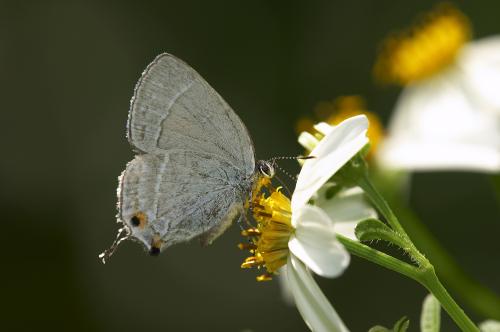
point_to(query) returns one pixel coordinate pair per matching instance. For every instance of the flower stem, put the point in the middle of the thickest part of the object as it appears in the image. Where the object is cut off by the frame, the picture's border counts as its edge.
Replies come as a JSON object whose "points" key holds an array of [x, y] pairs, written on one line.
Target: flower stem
{"points": [[475, 295], [468, 290], [383, 207], [380, 203], [430, 281], [361, 250], [424, 273]]}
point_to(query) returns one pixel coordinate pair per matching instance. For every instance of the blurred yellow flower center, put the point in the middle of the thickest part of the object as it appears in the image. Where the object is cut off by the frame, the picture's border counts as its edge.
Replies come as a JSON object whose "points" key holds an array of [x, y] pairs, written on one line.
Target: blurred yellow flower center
{"points": [[335, 111], [268, 241], [425, 48]]}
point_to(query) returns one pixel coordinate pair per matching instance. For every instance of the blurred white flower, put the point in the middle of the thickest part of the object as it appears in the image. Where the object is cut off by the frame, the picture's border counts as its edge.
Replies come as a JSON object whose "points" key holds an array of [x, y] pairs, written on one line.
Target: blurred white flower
{"points": [[490, 326], [301, 235], [448, 114], [451, 120]]}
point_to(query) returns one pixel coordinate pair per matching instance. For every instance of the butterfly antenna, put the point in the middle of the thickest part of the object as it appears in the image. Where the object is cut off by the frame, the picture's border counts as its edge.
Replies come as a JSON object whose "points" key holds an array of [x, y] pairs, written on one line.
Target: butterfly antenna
{"points": [[293, 177], [123, 234], [289, 158], [283, 184], [275, 164]]}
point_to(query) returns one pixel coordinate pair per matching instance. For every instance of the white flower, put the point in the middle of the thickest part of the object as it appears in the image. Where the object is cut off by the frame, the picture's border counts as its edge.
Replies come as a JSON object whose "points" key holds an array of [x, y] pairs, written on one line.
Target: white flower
{"points": [[314, 243], [450, 120], [348, 206], [339, 145], [303, 236], [448, 115]]}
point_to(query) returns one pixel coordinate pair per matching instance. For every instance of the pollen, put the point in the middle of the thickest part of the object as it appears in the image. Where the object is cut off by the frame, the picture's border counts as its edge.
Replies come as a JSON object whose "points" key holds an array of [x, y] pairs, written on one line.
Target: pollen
{"points": [[424, 49], [268, 240]]}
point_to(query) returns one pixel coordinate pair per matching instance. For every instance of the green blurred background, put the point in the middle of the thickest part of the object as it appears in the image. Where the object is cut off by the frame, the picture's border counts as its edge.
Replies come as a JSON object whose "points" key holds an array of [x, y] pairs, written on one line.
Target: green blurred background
{"points": [[68, 69]]}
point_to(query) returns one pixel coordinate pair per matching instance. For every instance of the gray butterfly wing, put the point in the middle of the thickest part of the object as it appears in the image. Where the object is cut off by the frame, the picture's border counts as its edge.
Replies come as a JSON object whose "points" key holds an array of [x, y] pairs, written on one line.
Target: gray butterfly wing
{"points": [[177, 198], [196, 160], [175, 108]]}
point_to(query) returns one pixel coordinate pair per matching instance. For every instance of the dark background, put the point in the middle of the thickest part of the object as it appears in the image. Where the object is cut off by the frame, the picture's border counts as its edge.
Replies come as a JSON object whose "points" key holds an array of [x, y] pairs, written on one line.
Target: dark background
{"points": [[67, 71]]}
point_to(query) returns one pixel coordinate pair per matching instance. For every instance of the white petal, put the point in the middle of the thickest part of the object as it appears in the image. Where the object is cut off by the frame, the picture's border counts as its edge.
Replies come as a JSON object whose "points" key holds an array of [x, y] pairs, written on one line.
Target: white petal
{"points": [[314, 243], [480, 62], [331, 153], [435, 126], [323, 127], [307, 140], [286, 292], [347, 229], [348, 207], [312, 304]]}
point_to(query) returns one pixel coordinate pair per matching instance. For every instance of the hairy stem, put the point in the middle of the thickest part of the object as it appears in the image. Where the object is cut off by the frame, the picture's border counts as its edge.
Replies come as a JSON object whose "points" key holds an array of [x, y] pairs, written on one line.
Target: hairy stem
{"points": [[425, 273], [361, 250], [476, 296]]}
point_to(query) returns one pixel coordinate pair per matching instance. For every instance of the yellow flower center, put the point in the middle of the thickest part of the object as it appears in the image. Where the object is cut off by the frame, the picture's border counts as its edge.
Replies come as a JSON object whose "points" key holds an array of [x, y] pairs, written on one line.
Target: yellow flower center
{"points": [[268, 240], [335, 111], [425, 48]]}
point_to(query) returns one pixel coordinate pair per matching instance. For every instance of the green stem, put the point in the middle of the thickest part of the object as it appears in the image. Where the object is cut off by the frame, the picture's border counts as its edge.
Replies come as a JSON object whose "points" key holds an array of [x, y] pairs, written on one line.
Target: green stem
{"points": [[358, 249], [380, 203], [476, 296], [425, 273], [383, 207], [430, 281]]}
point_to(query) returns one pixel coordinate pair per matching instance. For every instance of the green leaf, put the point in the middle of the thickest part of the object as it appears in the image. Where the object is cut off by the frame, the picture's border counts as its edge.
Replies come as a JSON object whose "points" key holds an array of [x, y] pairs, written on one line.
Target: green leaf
{"points": [[430, 319], [379, 328], [401, 325], [373, 229]]}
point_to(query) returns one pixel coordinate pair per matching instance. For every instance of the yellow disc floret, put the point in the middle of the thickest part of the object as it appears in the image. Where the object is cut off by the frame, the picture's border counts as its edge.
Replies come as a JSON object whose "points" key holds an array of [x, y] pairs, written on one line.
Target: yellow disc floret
{"points": [[425, 48], [268, 241]]}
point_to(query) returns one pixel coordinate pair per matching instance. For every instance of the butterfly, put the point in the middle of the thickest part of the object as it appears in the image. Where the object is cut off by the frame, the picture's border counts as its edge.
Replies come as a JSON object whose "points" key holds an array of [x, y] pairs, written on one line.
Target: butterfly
{"points": [[194, 167]]}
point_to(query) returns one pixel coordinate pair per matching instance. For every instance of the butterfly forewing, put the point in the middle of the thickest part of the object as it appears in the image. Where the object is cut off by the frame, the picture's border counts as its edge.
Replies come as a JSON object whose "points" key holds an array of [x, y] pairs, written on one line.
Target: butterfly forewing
{"points": [[175, 108]]}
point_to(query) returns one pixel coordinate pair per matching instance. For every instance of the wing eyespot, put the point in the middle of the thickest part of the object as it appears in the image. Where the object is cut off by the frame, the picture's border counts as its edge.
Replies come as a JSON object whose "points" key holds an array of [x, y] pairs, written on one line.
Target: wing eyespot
{"points": [[135, 221], [139, 219]]}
